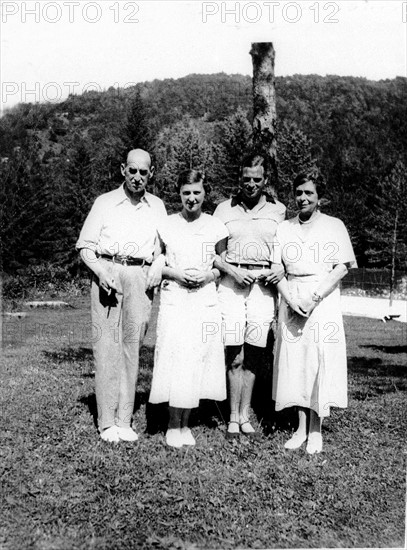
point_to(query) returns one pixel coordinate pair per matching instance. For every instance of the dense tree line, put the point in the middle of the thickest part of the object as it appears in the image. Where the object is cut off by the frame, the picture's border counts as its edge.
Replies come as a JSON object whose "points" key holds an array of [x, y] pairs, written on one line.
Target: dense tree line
{"points": [[56, 158]]}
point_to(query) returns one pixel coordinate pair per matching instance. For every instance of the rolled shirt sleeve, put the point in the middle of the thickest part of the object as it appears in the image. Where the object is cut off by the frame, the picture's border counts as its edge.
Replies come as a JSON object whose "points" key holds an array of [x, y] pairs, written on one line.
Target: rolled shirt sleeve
{"points": [[90, 234]]}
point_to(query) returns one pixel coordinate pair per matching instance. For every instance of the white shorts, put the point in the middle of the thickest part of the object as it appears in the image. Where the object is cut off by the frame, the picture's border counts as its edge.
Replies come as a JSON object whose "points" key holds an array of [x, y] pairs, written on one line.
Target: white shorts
{"points": [[247, 313]]}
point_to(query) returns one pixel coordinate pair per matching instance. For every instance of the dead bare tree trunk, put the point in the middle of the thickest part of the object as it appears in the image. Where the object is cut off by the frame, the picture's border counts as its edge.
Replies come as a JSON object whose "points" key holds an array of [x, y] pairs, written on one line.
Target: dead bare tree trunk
{"points": [[393, 258], [264, 105]]}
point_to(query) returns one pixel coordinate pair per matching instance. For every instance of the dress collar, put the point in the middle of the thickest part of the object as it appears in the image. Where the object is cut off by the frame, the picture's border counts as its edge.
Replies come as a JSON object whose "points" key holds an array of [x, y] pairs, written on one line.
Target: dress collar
{"points": [[311, 220], [305, 230]]}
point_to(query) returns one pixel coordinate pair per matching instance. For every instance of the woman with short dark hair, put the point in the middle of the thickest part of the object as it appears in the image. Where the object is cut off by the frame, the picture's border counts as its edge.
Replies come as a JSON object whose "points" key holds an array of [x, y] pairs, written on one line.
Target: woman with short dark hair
{"points": [[189, 362], [310, 360]]}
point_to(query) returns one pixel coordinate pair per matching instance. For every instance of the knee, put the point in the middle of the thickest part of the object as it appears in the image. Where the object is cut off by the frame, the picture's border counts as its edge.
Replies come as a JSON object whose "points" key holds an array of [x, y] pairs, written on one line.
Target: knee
{"points": [[236, 363], [234, 357]]}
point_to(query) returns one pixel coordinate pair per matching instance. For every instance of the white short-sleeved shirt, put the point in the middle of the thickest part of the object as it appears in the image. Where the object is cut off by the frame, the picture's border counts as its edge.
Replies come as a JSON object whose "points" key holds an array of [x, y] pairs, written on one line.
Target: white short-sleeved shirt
{"points": [[251, 231], [325, 245], [115, 225], [191, 244]]}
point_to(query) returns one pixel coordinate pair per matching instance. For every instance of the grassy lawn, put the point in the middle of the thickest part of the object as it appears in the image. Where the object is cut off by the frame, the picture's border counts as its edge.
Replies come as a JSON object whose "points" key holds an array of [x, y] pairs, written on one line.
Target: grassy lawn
{"points": [[63, 488]]}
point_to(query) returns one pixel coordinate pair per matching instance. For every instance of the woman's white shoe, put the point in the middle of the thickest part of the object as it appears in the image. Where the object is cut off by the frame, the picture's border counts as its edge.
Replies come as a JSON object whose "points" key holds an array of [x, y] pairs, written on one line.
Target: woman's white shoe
{"points": [[174, 438], [296, 441], [187, 437], [314, 444]]}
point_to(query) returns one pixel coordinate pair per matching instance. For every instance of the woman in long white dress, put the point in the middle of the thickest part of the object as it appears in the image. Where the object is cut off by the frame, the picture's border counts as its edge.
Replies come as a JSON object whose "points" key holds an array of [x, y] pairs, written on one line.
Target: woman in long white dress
{"points": [[310, 360], [189, 362]]}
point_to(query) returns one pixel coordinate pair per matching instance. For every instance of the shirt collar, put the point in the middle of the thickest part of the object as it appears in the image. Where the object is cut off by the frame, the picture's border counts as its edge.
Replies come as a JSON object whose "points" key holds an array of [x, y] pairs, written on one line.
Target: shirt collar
{"points": [[121, 196], [237, 199]]}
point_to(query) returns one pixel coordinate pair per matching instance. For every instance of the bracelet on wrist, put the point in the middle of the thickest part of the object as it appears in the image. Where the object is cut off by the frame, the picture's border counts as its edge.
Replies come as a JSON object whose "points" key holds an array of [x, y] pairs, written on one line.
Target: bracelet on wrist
{"points": [[316, 297]]}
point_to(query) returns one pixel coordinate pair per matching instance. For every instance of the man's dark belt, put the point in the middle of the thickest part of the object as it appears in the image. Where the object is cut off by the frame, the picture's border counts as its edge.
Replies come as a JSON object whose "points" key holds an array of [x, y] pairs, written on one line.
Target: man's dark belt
{"points": [[124, 260], [251, 266]]}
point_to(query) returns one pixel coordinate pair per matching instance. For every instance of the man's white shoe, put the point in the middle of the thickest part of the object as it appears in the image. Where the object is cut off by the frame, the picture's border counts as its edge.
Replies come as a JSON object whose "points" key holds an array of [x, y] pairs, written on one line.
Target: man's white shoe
{"points": [[187, 437], [110, 435], [127, 434]]}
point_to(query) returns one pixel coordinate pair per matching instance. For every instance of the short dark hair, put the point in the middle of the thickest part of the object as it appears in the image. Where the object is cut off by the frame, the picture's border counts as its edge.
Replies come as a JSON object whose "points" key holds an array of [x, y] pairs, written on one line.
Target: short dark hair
{"points": [[192, 176], [254, 159], [314, 176]]}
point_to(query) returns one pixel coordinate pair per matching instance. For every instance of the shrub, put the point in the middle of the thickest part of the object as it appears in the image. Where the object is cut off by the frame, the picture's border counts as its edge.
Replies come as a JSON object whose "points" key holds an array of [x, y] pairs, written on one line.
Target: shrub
{"points": [[42, 279]]}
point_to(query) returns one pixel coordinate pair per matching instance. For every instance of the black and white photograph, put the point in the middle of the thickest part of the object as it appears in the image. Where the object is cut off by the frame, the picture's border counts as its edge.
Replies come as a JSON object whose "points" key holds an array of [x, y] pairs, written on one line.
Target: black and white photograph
{"points": [[203, 274]]}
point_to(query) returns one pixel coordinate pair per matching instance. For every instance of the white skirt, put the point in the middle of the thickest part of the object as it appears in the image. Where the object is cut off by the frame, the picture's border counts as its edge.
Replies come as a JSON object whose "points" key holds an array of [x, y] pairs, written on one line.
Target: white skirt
{"points": [[189, 361], [310, 358]]}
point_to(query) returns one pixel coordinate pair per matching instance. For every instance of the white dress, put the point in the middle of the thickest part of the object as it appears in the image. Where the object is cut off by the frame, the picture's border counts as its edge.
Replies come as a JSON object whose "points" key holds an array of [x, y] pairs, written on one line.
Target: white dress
{"points": [[189, 362], [310, 357]]}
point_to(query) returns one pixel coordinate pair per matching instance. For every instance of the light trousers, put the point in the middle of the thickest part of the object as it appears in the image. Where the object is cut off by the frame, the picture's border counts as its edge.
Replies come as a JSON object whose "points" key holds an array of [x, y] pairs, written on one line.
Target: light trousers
{"points": [[119, 323]]}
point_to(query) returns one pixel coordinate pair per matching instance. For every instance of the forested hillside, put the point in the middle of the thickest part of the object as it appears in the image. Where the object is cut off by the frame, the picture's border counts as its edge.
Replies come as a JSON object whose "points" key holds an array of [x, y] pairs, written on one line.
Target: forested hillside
{"points": [[56, 158]]}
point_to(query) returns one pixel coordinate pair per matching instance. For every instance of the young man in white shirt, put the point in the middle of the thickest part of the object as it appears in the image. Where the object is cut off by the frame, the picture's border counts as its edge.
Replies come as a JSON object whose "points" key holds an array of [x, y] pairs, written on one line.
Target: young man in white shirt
{"points": [[247, 291]]}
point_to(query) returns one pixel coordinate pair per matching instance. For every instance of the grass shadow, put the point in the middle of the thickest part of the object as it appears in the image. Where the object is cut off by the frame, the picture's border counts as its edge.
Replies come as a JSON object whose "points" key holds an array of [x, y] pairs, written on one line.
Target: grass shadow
{"points": [[386, 349], [156, 418], [374, 366], [90, 402], [209, 413], [262, 403], [373, 377], [140, 399], [79, 355]]}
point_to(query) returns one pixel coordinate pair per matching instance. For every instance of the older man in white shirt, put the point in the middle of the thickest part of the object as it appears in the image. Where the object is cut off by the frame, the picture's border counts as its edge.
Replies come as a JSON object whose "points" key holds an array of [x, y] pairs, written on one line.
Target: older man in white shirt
{"points": [[117, 243]]}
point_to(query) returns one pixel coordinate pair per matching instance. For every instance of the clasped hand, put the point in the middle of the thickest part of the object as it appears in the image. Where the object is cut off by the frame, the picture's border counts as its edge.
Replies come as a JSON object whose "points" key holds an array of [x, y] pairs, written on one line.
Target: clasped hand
{"points": [[192, 278], [245, 277], [302, 307], [272, 275]]}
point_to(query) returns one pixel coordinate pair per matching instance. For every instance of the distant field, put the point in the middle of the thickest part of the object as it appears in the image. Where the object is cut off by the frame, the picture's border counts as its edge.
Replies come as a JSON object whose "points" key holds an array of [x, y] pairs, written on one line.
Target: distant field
{"points": [[374, 282], [63, 488]]}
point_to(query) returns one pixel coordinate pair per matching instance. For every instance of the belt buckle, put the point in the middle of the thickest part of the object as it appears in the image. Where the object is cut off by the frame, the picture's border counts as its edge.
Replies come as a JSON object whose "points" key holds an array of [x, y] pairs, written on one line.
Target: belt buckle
{"points": [[123, 261]]}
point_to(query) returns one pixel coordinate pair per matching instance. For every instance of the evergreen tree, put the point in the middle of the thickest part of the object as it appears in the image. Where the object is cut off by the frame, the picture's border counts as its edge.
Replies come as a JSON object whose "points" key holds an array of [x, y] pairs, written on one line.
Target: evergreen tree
{"points": [[78, 195], [137, 132], [180, 147], [352, 126], [388, 233], [22, 210], [294, 155], [235, 136]]}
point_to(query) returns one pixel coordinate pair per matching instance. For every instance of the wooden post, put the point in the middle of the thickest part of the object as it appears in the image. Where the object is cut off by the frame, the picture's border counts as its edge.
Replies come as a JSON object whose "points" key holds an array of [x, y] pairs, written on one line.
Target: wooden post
{"points": [[264, 105]]}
